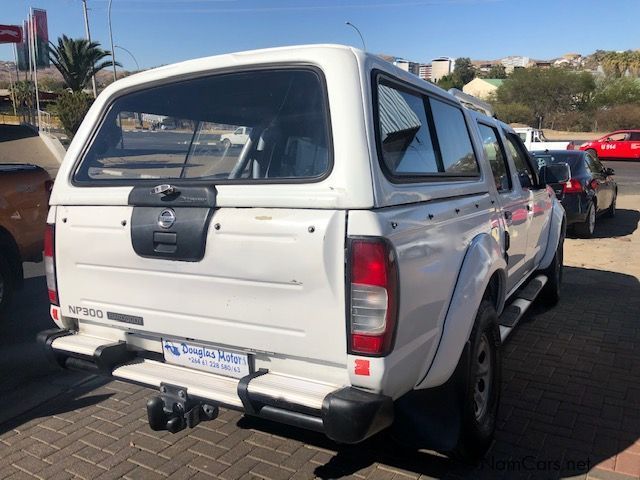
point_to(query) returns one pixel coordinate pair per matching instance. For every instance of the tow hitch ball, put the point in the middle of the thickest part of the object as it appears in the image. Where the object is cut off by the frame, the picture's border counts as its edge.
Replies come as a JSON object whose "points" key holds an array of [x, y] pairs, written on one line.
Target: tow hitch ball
{"points": [[173, 410]]}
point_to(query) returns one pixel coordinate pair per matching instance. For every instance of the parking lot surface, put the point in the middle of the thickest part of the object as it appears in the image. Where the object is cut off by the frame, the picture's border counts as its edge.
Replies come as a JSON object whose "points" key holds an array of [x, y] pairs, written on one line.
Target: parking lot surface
{"points": [[570, 397]]}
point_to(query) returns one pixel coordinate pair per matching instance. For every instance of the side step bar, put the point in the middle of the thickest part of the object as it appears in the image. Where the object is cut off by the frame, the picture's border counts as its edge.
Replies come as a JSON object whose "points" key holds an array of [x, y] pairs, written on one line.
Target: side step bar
{"points": [[187, 396], [519, 304]]}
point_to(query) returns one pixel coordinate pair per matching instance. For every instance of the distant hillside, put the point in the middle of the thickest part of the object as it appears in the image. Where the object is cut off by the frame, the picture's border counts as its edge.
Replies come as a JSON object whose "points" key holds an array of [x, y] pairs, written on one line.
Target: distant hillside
{"points": [[7, 72]]}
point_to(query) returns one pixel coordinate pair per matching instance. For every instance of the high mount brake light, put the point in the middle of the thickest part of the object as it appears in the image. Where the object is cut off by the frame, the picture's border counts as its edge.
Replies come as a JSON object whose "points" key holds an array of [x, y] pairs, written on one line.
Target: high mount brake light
{"points": [[373, 296]]}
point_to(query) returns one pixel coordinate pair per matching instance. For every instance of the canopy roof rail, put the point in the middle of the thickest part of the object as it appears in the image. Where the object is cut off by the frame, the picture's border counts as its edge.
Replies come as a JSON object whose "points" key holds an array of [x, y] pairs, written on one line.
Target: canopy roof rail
{"points": [[472, 103]]}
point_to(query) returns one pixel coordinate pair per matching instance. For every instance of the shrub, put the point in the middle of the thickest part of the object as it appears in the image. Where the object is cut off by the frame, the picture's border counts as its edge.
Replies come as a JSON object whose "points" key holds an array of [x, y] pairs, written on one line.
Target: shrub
{"points": [[514, 113], [619, 117], [71, 108]]}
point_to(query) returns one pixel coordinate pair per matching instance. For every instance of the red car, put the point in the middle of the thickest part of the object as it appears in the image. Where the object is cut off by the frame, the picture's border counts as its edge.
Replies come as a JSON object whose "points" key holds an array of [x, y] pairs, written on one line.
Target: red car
{"points": [[620, 144]]}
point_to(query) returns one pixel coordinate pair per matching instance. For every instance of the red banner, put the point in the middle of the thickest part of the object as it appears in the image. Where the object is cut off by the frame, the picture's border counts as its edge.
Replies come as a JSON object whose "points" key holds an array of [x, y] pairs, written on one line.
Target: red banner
{"points": [[10, 34]]}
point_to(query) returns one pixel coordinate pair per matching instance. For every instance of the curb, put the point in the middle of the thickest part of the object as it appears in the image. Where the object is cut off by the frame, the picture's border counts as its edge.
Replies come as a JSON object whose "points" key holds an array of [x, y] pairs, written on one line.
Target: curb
{"points": [[54, 146]]}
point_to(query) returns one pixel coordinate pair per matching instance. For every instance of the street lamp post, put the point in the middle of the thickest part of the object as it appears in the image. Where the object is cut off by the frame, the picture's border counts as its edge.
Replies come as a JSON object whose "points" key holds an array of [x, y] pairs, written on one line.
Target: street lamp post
{"points": [[113, 53], [364, 47], [131, 54], [88, 33]]}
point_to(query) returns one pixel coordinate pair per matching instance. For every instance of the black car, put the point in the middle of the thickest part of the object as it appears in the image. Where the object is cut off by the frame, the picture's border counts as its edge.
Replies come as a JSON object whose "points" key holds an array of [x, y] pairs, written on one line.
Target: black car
{"points": [[590, 192]]}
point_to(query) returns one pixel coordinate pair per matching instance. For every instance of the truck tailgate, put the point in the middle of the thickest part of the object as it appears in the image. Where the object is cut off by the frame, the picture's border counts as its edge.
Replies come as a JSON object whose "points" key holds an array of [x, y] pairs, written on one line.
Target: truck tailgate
{"points": [[271, 280]]}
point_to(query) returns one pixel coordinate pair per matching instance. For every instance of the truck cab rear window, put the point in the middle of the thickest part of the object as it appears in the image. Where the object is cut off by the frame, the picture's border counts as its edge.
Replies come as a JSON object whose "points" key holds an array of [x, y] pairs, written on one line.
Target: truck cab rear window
{"points": [[265, 125]]}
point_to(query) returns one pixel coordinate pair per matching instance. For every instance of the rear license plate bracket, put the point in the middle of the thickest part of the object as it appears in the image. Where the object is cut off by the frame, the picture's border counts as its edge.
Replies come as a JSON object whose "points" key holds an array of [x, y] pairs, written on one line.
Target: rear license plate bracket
{"points": [[207, 358]]}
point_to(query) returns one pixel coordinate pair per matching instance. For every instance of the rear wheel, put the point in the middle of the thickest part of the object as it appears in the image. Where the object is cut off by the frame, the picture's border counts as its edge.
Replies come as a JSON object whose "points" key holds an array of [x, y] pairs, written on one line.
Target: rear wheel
{"points": [[226, 143], [611, 212], [550, 294], [586, 228], [482, 387]]}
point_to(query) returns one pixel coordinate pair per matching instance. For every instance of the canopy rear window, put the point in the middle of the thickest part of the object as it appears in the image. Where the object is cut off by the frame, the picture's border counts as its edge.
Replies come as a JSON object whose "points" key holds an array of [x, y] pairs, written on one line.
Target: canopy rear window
{"points": [[257, 126]]}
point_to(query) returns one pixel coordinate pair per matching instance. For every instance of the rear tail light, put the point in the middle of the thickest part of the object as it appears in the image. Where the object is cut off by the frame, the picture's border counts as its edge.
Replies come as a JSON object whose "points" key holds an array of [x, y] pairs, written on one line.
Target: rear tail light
{"points": [[572, 186], [373, 297], [50, 263]]}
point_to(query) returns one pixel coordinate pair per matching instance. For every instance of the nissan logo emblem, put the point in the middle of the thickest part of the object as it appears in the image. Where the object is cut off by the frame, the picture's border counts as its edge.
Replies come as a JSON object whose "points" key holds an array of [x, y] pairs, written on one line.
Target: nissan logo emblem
{"points": [[167, 218]]}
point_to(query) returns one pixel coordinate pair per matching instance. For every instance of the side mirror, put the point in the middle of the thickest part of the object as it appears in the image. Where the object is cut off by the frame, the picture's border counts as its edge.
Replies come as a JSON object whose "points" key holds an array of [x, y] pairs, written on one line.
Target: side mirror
{"points": [[555, 173]]}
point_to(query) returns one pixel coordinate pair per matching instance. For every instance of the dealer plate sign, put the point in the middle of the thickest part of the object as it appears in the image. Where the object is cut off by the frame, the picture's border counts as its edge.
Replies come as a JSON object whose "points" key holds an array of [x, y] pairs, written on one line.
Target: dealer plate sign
{"points": [[209, 359]]}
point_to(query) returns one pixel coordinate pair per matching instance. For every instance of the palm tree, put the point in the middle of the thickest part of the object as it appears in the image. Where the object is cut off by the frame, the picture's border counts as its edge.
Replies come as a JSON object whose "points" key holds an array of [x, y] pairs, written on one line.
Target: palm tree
{"points": [[78, 60]]}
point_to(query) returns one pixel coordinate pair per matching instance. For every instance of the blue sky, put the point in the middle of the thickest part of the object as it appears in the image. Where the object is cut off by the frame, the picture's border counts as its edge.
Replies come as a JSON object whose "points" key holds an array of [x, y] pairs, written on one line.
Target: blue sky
{"points": [[165, 31]]}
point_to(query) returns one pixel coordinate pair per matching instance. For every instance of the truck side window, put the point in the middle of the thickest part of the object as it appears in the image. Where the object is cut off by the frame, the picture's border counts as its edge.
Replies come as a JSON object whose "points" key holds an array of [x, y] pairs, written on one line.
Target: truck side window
{"points": [[523, 168], [494, 152], [405, 137], [453, 138]]}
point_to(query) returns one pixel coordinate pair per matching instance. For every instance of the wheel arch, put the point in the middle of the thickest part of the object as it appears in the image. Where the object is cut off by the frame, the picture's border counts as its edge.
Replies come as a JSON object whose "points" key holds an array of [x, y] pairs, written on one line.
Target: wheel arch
{"points": [[482, 275], [557, 230]]}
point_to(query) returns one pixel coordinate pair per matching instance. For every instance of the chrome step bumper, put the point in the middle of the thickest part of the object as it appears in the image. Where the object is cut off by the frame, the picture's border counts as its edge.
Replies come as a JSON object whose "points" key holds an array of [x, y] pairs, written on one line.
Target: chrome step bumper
{"points": [[344, 414]]}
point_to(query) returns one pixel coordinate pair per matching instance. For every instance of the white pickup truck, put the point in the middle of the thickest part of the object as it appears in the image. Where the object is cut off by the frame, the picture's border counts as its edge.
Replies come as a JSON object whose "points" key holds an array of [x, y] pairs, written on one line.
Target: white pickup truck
{"points": [[535, 140], [355, 267], [238, 137]]}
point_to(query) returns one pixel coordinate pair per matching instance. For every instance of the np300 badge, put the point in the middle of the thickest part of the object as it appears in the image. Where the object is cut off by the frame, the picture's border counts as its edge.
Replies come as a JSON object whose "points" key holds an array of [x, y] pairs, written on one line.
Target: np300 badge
{"points": [[167, 218]]}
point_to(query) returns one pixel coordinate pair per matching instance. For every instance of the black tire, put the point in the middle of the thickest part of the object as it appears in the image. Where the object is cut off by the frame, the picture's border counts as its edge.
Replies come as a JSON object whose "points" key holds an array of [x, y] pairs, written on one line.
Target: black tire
{"points": [[550, 294], [226, 143], [479, 416], [586, 228], [7, 284], [611, 211]]}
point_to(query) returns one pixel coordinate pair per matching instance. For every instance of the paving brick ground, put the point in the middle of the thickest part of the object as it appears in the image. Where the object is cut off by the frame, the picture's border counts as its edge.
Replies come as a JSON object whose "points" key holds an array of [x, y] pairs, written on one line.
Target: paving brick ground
{"points": [[570, 401], [570, 408]]}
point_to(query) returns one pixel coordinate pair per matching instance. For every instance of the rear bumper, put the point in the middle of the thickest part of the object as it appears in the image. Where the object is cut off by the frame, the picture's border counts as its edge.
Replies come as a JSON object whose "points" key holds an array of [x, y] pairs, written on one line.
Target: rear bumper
{"points": [[346, 415], [575, 206]]}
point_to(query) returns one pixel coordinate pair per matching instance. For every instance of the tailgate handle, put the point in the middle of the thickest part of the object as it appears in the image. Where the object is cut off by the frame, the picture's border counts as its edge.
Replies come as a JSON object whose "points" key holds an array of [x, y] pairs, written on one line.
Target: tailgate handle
{"points": [[165, 242]]}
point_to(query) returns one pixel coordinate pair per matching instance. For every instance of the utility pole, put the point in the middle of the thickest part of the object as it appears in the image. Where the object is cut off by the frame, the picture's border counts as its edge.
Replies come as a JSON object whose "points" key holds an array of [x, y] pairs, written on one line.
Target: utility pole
{"points": [[113, 53], [88, 34], [34, 55]]}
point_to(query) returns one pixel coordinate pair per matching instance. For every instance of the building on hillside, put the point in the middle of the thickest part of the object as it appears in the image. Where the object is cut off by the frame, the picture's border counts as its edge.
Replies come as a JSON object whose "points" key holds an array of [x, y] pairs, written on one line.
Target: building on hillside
{"points": [[482, 88], [485, 67], [541, 63], [424, 72], [407, 66], [440, 67], [513, 62]]}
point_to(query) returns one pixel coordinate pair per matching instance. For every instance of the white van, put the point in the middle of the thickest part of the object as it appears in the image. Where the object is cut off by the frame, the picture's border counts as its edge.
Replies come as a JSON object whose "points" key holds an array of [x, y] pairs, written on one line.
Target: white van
{"points": [[354, 266]]}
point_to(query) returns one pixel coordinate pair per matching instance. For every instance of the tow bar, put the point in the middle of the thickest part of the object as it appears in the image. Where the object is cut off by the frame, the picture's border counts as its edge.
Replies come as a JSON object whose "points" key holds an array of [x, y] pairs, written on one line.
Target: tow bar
{"points": [[173, 410]]}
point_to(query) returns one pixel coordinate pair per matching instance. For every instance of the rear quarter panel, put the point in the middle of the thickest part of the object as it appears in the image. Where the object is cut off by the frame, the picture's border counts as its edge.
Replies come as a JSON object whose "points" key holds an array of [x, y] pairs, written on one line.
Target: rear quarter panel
{"points": [[431, 240]]}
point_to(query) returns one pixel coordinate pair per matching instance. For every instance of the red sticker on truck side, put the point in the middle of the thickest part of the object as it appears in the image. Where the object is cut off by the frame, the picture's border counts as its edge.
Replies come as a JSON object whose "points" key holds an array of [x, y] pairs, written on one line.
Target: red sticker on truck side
{"points": [[362, 367]]}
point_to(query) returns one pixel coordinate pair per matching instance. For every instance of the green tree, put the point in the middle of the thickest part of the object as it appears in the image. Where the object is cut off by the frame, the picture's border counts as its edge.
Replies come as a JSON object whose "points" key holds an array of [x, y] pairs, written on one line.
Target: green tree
{"points": [[514, 113], [497, 71], [78, 60], [617, 91], [71, 108], [50, 84], [548, 91], [448, 81], [24, 93], [464, 71]]}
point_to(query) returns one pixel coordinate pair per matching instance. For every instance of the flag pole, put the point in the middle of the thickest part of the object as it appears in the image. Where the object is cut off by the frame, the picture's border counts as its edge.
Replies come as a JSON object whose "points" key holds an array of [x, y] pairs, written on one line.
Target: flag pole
{"points": [[35, 67]]}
